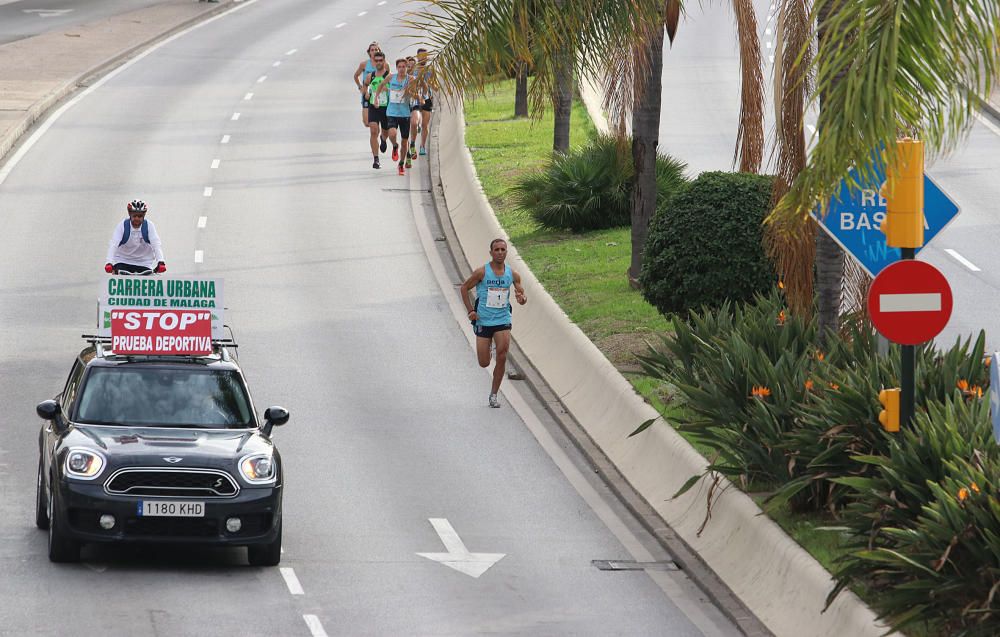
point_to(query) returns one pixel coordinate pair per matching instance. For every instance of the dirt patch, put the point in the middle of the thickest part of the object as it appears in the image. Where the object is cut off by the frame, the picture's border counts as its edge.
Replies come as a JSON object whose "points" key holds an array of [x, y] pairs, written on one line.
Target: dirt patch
{"points": [[621, 349]]}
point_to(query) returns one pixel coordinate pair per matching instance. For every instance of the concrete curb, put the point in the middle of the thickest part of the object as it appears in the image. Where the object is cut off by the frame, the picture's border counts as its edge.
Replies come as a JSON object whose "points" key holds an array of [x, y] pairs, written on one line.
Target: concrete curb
{"points": [[41, 107], [777, 579]]}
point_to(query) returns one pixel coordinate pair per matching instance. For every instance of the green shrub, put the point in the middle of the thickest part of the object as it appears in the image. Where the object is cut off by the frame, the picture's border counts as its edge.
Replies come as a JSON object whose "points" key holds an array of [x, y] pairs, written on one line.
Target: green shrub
{"points": [[705, 244], [590, 188]]}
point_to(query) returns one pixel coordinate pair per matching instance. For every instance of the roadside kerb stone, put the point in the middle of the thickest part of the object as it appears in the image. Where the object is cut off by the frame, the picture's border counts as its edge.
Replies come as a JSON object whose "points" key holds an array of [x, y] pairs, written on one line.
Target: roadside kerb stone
{"points": [[38, 72], [776, 578]]}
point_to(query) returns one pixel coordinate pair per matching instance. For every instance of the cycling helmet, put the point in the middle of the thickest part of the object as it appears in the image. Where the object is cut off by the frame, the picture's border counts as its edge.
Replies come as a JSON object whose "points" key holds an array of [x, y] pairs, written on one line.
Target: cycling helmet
{"points": [[137, 205]]}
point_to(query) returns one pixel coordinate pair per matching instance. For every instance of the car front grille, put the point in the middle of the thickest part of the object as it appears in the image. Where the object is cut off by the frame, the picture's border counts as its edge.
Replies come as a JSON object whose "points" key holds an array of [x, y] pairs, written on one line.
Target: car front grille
{"points": [[163, 482]]}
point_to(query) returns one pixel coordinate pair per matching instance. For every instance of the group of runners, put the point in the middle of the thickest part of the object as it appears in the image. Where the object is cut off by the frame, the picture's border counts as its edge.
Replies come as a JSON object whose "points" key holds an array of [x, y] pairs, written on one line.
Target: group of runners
{"points": [[397, 106]]}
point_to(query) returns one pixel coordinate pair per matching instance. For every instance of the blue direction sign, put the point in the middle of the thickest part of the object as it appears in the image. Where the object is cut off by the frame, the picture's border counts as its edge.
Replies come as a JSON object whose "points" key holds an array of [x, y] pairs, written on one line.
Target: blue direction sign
{"points": [[855, 216]]}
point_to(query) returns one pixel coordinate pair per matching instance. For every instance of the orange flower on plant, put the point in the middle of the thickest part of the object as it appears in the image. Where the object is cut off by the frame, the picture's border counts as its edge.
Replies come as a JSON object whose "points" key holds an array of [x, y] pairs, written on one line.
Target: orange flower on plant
{"points": [[987, 360], [963, 385], [781, 317], [809, 384], [963, 494], [820, 355], [781, 285], [976, 391], [759, 391], [974, 487], [834, 386]]}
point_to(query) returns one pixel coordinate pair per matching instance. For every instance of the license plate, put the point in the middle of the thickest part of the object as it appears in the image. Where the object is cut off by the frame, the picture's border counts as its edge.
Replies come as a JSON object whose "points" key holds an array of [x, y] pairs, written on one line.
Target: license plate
{"points": [[168, 509]]}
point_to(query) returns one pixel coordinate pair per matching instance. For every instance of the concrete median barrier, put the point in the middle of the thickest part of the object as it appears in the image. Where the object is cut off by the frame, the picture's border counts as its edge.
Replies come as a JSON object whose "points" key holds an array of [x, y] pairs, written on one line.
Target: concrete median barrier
{"points": [[777, 580]]}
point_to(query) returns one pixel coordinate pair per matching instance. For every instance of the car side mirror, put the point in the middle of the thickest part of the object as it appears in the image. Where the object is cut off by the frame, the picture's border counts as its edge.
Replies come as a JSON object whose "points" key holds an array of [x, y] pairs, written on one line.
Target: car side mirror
{"points": [[274, 417], [47, 410]]}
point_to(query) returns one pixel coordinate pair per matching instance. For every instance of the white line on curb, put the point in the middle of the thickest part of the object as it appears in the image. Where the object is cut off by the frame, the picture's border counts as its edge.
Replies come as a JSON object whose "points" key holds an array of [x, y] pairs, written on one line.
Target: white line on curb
{"points": [[962, 260], [318, 36], [930, 302], [342, 24], [292, 581], [248, 97], [261, 78], [362, 13], [208, 191], [225, 139], [291, 52], [199, 256], [988, 124], [235, 117], [315, 627], [202, 222], [277, 64], [216, 162]]}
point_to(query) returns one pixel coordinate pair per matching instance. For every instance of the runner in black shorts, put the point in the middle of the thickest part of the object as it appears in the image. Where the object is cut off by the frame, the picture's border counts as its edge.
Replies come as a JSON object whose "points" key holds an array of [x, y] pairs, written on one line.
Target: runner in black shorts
{"points": [[426, 79], [376, 108]]}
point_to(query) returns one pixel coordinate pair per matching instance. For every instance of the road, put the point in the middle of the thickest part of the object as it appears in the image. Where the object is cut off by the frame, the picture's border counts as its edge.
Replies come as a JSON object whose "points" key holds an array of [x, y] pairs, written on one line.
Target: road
{"points": [[24, 18], [244, 137], [700, 114]]}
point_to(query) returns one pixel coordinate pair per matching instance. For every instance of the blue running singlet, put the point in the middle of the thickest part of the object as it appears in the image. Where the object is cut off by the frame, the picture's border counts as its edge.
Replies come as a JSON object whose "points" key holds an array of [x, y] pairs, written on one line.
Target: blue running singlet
{"points": [[493, 297]]}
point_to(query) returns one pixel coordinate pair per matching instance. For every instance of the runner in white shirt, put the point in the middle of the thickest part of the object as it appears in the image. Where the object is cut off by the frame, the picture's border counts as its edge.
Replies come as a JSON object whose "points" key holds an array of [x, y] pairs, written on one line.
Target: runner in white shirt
{"points": [[135, 246]]}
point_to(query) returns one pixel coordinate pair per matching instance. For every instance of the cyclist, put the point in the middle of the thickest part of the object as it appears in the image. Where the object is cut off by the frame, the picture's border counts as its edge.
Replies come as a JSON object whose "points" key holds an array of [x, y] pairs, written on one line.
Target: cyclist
{"points": [[135, 246], [491, 314], [377, 107]]}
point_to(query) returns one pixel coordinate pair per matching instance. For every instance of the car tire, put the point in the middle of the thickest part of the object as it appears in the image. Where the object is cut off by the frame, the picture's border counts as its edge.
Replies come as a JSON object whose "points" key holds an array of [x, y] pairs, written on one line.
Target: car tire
{"points": [[266, 554], [61, 547], [41, 501]]}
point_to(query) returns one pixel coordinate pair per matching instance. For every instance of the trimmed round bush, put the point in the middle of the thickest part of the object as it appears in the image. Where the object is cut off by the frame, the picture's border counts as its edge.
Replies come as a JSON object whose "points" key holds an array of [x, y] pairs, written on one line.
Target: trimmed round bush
{"points": [[590, 188], [705, 244]]}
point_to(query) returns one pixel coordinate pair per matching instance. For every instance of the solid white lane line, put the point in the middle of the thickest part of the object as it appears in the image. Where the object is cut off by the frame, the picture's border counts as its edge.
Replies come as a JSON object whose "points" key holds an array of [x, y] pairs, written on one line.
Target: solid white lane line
{"points": [[225, 139], [315, 627], [342, 24], [291, 52], [248, 97], [199, 256], [362, 13], [930, 302], [208, 191], [318, 36], [216, 162], [962, 260], [261, 78], [292, 581], [202, 222], [235, 117]]}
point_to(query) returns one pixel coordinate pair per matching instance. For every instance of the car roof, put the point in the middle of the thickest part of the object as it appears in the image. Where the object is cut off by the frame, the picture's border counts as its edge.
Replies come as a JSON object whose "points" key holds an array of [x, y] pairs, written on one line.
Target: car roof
{"points": [[220, 359]]}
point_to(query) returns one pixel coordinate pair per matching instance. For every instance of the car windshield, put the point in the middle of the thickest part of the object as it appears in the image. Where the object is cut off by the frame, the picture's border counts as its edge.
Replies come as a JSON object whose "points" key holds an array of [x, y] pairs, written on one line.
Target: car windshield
{"points": [[164, 397]]}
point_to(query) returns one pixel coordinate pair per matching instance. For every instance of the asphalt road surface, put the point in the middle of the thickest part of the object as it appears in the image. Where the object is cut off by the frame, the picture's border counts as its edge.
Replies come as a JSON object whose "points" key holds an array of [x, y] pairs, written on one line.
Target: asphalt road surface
{"points": [[701, 92], [244, 137], [25, 18]]}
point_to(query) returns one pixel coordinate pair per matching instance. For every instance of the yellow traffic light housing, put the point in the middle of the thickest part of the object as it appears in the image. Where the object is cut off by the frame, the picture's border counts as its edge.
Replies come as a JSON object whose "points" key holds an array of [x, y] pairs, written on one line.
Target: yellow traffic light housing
{"points": [[889, 416], [904, 192]]}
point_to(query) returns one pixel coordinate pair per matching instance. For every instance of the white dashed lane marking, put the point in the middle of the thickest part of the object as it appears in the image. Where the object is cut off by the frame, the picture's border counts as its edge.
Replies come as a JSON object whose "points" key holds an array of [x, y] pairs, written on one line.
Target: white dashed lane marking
{"points": [[225, 139], [342, 24], [318, 36], [202, 222], [315, 627], [208, 191], [248, 97], [277, 64], [292, 581], [969, 264], [199, 256], [362, 14], [216, 162], [291, 52], [261, 78], [235, 117]]}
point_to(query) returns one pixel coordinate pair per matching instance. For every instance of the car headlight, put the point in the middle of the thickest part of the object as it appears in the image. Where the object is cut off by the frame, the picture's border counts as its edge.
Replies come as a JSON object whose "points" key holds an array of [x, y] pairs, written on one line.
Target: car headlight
{"points": [[258, 468], [85, 464]]}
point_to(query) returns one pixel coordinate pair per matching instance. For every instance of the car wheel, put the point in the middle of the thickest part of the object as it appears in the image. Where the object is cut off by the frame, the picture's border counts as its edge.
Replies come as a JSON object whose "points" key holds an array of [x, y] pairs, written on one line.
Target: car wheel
{"points": [[41, 501], [266, 554], [61, 547]]}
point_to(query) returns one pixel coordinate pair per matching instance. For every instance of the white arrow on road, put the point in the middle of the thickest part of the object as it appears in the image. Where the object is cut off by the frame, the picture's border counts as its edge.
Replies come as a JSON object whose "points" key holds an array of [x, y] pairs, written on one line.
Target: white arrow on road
{"points": [[458, 557]]}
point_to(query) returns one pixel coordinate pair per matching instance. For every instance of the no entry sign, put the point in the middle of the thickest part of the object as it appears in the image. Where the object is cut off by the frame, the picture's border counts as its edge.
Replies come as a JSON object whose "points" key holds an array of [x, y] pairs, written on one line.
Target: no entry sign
{"points": [[161, 332], [910, 302]]}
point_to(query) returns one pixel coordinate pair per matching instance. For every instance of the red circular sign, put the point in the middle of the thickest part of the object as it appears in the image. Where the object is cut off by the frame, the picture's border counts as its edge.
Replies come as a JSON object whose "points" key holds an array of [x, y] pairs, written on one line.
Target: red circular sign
{"points": [[910, 302]]}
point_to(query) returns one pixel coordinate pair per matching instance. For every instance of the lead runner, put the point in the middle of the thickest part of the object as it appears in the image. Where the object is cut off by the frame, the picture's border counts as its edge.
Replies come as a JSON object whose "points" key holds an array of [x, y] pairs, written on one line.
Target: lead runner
{"points": [[491, 315]]}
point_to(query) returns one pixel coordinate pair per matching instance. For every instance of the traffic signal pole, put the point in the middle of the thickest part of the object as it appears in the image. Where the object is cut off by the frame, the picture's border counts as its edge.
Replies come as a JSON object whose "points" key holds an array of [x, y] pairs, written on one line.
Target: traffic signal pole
{"points": [[907, 398]]}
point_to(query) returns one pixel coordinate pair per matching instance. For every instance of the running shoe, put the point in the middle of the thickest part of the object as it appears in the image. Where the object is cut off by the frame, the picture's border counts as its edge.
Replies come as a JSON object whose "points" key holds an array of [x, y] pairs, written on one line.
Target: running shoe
{"points": [[382, 145], [423, 151], [413, 151], [402, 171], [395, 153], [376, 164], [494, 401], [409, 162]]}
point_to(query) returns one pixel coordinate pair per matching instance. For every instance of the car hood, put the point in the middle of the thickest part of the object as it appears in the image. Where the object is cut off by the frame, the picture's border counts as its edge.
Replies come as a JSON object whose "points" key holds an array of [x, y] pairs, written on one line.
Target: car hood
{"points": [[160, 446]]}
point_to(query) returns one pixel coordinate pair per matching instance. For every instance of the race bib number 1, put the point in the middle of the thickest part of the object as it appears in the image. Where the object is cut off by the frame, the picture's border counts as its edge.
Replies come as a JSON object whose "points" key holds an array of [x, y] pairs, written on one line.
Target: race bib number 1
{"points": [[497, 297]]}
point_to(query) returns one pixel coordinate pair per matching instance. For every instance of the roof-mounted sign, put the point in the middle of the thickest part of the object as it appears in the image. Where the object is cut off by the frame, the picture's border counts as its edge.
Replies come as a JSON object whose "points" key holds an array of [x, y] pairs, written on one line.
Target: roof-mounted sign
{"points": [[161, 332], [199, 295]]}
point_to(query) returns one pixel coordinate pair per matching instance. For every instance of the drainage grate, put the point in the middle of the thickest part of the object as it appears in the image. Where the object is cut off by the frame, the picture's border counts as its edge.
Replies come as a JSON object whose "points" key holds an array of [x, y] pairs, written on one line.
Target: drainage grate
{"points": [[632, 565]]}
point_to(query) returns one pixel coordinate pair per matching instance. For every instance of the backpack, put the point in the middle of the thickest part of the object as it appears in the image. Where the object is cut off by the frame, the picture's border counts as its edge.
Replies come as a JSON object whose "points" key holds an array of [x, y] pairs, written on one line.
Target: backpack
{"points": [[128, 231]]}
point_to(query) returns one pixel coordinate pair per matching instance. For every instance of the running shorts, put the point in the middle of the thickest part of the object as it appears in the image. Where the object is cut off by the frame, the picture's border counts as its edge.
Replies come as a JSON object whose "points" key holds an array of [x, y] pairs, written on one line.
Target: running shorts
{"points": [[377, 115], [402, 123], [364, 102], [487, 331], [428, 105]]}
